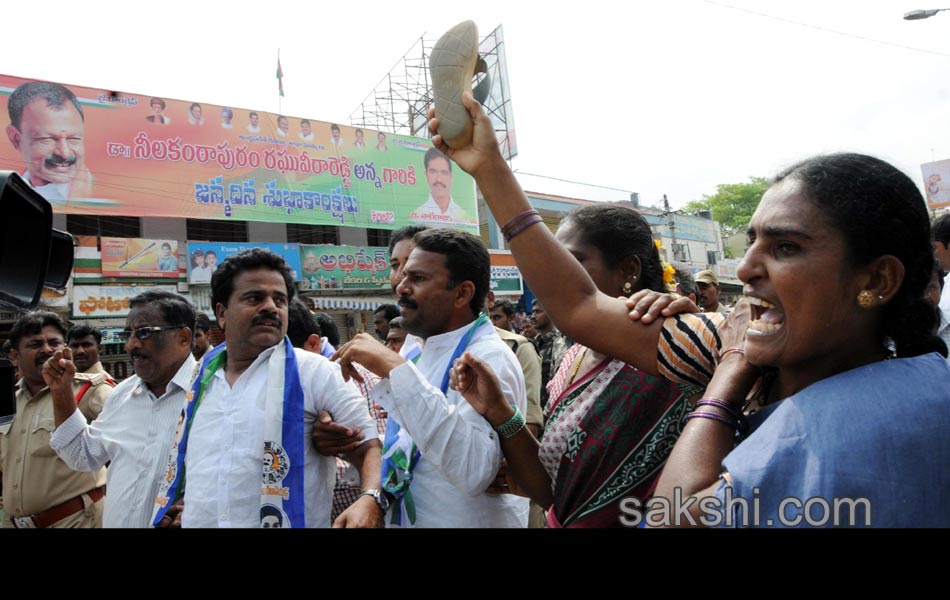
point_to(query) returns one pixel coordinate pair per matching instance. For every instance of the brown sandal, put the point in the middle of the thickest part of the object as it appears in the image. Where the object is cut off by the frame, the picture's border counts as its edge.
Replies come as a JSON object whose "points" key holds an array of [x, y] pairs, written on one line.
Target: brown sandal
{"points": [[453, 64]]}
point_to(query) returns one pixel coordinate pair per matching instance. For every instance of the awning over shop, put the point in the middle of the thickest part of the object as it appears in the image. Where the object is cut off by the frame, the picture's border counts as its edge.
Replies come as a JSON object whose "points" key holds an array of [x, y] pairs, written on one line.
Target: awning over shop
{"points": [[350, 302]]}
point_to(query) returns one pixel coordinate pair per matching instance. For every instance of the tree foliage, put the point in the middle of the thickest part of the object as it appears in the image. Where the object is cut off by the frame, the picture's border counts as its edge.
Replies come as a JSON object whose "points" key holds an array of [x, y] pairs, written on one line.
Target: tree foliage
{"points": [[733, 204]]}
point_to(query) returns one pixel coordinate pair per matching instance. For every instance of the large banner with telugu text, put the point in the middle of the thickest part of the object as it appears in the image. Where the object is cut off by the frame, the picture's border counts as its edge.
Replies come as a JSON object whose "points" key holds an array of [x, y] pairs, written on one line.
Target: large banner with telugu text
{"points": [[109, 300], [98, 152]]}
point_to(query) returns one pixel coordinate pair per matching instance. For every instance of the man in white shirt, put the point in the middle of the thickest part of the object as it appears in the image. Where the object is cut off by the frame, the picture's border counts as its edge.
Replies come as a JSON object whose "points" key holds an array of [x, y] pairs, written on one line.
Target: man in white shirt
{"points": [[253, 125], [439, 209], [47, 128], [283, 126], [441, 296], [335, 138], [134, 431], [306, 132], [250, 292]]}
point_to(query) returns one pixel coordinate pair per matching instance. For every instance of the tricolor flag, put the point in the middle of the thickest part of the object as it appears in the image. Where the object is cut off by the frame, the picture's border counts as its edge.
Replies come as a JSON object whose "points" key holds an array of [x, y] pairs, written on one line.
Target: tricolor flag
{"points": [[280, 77]]}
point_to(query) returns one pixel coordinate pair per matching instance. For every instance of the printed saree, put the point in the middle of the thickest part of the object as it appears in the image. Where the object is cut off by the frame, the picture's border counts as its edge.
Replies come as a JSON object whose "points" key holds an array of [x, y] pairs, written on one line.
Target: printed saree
{"points": [[606, 438]]}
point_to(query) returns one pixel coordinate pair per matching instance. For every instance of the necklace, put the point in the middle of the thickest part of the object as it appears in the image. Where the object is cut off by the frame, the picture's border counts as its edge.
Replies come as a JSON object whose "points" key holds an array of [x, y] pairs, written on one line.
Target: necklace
{"points": [[577, 367]]}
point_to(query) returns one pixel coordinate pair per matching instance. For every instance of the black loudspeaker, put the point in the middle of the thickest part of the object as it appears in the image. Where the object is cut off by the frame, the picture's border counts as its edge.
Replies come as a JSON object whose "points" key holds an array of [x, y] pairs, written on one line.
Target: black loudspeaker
{"points": [[60, 265], [32, 253]]}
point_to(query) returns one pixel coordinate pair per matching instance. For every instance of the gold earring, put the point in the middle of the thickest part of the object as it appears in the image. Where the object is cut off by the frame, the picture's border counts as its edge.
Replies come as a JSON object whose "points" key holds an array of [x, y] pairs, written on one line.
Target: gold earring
{"points": [[865, 299], [627, 288]]}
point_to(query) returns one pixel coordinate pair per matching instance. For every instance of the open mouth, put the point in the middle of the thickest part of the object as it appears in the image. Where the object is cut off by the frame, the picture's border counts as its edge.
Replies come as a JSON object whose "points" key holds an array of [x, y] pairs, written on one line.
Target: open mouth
{"points": [[766, 318]]}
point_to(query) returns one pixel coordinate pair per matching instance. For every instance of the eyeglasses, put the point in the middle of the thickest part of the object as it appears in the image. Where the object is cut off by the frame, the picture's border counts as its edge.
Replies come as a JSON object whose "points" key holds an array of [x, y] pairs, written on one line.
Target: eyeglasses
{"points": [[143, 333]]}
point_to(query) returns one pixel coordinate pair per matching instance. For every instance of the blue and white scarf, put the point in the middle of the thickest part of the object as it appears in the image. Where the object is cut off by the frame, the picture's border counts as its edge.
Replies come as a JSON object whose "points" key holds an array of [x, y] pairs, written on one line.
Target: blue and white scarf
{"points": [[282, 484]]}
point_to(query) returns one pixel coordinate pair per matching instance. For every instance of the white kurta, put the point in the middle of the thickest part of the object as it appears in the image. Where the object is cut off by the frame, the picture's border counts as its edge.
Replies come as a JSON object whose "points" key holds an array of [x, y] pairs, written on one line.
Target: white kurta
{"points": [[460, 450], [226, 444]]}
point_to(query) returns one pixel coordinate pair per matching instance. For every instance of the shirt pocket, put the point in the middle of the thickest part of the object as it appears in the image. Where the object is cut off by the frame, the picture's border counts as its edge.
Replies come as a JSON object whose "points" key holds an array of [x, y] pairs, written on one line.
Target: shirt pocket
{"points": [[4, 438], [39, 438]]}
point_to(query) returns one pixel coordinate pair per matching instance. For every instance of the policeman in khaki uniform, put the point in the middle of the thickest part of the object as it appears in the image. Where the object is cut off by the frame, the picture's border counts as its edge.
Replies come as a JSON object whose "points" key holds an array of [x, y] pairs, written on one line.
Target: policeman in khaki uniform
{"points": [[39, 490], [86, 345]]}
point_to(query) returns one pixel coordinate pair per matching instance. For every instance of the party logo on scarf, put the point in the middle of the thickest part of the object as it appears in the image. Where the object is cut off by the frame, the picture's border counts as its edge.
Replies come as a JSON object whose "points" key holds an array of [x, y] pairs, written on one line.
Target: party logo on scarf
{"points": [[276, 463]]}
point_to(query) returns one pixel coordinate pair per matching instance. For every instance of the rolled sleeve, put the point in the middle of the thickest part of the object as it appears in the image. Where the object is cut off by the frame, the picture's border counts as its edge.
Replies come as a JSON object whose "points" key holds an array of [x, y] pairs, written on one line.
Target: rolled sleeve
{"points": [[77, 444]]}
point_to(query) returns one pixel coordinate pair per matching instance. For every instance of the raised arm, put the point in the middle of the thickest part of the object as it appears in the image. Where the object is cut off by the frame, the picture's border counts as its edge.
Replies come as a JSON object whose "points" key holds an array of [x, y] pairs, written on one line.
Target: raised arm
{"points": [[77, 444], [58, 373], [570, 297]]}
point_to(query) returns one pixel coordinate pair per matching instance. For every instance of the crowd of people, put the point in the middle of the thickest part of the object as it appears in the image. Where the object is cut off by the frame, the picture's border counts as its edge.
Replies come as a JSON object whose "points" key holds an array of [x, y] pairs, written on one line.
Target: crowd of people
{"points": [[631, 396]]}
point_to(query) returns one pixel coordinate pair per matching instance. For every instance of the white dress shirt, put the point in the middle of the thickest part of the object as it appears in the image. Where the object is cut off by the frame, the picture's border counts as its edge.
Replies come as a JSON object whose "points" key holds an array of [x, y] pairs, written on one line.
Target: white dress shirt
{"points": [[134, 431], [431, 213], [223, 464], [460, 450]]}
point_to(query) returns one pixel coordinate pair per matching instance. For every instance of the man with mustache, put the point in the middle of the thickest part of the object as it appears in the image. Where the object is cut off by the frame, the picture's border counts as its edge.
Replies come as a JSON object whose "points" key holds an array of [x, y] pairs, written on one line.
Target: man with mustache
{"points": [[245, 449], [85, 343], [202, 335], [400, 246], [708, 285], [46, 126], [39, 489], [439, 455], [440, 209], [134, 432], [383, 314]]}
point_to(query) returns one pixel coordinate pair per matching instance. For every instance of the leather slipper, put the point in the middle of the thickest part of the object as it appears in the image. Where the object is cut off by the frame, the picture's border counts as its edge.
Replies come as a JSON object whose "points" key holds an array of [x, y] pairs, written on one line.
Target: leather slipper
{"points": [[452, 65]]}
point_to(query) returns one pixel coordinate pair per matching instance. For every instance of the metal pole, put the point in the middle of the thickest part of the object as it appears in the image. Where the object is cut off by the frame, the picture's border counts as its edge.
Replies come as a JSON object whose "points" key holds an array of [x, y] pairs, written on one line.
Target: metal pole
{"points": [[670, 223]]}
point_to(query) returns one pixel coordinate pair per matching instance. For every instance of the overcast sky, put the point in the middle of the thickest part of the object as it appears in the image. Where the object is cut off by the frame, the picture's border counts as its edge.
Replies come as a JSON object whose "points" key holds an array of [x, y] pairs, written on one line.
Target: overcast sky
{"points": [[654, 97]]}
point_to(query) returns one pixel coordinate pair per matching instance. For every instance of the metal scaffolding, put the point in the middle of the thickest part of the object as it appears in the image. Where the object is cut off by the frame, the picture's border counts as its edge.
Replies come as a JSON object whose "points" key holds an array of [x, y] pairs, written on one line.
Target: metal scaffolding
{"points": [[401, 100]]}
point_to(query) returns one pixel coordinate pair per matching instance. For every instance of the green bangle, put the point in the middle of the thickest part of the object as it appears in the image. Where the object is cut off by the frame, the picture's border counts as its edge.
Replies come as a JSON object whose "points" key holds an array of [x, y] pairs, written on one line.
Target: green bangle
{"points": [[512, 426]]}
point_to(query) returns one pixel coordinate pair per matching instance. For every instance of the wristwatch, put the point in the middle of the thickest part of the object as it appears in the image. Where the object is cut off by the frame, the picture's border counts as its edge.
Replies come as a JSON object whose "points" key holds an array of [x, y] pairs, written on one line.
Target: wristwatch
{"points": [[380, 496]]}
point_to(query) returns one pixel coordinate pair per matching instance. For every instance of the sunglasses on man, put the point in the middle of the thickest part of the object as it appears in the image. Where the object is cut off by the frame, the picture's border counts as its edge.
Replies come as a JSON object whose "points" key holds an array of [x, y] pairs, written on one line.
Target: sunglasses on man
{"points": [[143, 333]]}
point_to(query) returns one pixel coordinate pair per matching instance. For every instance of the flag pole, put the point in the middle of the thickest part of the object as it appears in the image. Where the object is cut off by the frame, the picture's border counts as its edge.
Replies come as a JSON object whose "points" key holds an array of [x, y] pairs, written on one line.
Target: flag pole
{"points": [[280, 86]]}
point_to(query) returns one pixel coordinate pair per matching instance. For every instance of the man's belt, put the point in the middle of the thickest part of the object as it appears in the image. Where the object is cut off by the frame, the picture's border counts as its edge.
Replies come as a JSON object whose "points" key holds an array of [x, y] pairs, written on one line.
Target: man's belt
{"points": [[59, 512]]}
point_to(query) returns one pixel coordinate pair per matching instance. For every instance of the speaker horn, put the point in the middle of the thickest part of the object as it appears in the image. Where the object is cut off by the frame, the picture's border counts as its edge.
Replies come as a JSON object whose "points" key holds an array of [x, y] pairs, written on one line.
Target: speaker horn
{"points": [[32, 254]]}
